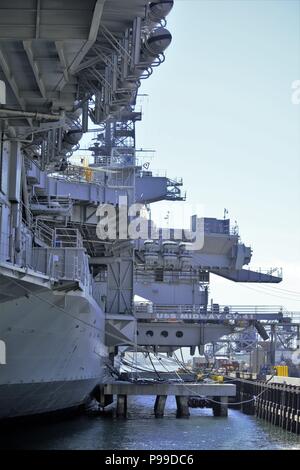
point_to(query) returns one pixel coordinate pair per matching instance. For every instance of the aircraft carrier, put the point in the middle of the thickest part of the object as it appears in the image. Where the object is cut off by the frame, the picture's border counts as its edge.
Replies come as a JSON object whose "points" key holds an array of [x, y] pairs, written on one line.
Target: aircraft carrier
{"points": [[66, 291]]}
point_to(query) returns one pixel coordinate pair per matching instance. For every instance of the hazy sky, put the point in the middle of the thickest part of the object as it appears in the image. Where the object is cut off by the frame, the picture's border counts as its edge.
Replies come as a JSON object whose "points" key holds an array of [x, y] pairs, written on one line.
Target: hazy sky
{"points": [[219, 114]]}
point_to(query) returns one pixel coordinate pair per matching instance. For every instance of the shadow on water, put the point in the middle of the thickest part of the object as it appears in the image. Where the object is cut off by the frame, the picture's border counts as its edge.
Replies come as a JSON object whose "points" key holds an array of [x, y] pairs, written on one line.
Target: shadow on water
{"points": [[94, 430]]}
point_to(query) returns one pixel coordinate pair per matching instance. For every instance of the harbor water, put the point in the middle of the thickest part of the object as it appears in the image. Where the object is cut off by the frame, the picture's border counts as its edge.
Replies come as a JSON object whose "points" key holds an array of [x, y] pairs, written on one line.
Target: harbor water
{"points": [[141, 431]]}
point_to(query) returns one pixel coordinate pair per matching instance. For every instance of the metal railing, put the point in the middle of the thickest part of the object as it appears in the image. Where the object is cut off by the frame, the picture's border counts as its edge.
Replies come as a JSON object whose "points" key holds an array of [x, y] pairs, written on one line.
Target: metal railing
{"points": [[59, 237], [65, 237], [78, 174], [277, 272], [43, 232], [147, 310], [26, 215], [63, 264], [159, 173], [117, 175], [59, 204], [169, 276], [247, 309]]}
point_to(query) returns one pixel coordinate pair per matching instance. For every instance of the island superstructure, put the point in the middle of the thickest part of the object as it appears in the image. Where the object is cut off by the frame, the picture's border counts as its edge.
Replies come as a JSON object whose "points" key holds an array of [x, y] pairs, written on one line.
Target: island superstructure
{"points": [[66, 295]]}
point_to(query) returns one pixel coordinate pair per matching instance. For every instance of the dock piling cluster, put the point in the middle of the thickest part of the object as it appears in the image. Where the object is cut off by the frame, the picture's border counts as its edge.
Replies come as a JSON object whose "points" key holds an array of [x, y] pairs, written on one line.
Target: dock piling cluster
{"points": [[276, 403], [279, 405]]}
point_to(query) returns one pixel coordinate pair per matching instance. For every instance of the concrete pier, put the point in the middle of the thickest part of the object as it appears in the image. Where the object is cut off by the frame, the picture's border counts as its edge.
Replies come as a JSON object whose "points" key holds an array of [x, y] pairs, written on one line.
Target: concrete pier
{"points": [[182, 407], [181, 391], [159, 407], [121, 406], [220, 406]]}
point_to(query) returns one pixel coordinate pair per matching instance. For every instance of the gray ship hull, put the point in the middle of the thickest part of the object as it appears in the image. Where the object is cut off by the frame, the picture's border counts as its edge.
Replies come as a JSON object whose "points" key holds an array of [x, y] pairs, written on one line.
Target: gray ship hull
{"points": [[55, 353], [20, 400]]}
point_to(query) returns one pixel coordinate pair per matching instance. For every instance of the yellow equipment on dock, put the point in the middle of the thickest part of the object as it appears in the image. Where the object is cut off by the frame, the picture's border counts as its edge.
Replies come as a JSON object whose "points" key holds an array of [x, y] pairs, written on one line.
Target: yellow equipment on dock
{"points": [[282, 371], [218, 378]]}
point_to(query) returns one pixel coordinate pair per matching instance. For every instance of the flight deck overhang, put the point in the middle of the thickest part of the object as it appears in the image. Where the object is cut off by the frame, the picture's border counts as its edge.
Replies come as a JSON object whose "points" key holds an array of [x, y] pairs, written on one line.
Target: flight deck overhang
{"points": [[247, 275], [49, 51]]}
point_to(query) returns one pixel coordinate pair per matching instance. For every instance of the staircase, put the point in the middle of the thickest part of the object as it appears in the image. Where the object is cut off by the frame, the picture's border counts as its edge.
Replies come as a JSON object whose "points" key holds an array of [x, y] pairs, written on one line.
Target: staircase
{"points": [[43, 234]]}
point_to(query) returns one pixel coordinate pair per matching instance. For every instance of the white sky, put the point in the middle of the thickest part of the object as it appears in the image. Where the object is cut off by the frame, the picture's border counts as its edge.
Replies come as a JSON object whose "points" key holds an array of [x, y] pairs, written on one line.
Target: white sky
{"points": [[219, 113]]}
